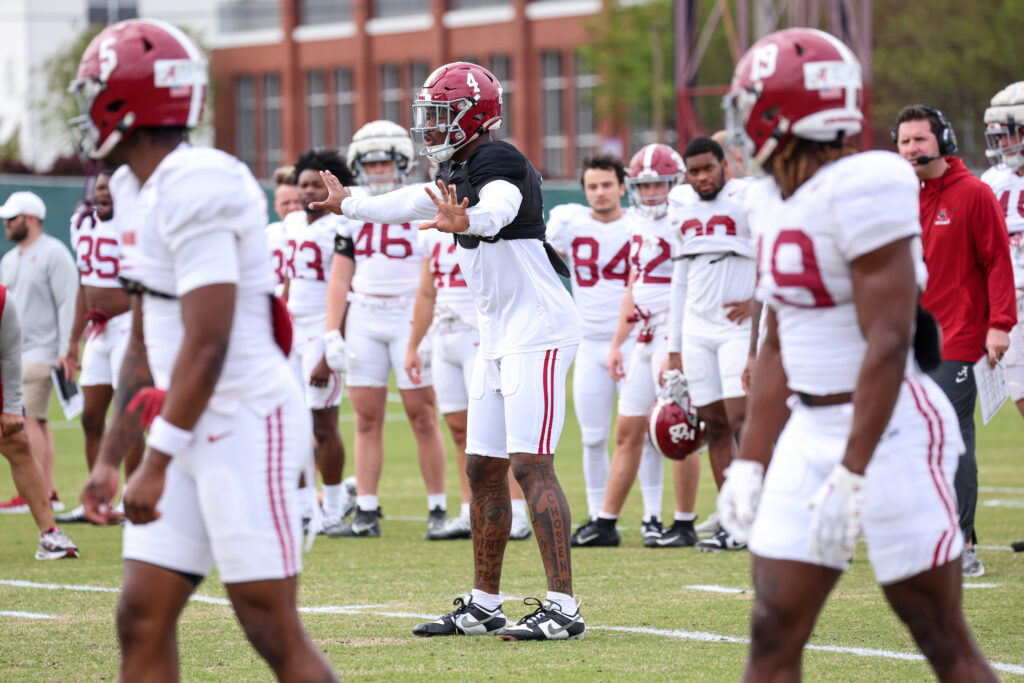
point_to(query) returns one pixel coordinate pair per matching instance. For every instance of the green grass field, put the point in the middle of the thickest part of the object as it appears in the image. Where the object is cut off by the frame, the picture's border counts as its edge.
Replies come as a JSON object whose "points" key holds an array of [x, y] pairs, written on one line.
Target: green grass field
{"points": [[645, 619]]}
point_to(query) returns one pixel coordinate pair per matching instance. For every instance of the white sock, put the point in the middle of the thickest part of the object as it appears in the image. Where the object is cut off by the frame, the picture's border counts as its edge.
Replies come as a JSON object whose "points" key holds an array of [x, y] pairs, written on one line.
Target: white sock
{"points": [[437, 500], [367, 502], [334, 494], [595, 474], [519, 508], [464, 510], [489, 601], [684, 516], [606, 515], [564, 602], [652, 479]]}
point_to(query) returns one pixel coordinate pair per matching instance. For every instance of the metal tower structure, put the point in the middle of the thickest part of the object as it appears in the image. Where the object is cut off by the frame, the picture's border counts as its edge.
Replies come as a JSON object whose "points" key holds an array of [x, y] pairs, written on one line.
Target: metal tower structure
{"points": [[743, 22]]}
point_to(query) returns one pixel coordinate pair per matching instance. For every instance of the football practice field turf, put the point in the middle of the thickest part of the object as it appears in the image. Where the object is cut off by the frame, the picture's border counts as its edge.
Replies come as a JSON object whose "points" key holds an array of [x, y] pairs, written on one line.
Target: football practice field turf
{"points": [[651, 614]]}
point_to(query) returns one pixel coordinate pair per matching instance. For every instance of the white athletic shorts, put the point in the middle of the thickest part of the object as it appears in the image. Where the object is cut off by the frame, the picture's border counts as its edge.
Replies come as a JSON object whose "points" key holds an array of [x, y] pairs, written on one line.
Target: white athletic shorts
{"points": [[911, 522], [1014, 358], [377, 331], [232, 499], [307, 350], [517, 403], [713, 361], [593, 389], [639, 388], [102, 355], [453, 356]]}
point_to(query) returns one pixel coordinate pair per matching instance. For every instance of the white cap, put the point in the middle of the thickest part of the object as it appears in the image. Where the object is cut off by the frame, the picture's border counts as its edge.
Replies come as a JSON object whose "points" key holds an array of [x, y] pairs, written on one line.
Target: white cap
{"points": [[23, 204]]}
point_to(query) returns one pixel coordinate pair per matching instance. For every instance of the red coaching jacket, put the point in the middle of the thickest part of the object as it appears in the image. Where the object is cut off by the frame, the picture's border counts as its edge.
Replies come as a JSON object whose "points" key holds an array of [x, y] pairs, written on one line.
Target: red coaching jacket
{"points": [[967, 251]]}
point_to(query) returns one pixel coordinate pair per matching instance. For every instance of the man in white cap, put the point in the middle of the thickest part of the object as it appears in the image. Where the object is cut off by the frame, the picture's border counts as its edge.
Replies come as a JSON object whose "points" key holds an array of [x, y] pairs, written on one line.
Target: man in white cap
{"points": [[42, 279]]}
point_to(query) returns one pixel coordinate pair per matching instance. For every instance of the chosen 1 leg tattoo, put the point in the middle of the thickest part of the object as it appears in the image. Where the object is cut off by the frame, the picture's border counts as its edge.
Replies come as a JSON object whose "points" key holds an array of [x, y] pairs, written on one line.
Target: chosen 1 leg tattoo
{"points": [[490, 515], [549, 512]]}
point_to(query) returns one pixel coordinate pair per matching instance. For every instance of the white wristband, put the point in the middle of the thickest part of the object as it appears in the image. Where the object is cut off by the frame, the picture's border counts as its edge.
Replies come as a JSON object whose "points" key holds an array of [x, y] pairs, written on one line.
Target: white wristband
{"points": [[166, 438]]}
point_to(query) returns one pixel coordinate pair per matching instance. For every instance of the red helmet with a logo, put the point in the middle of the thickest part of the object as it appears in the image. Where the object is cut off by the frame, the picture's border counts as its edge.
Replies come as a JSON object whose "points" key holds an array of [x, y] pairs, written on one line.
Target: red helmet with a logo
{"points": [[799, 81], [460, 100], [654, 164], [140, 73], [673, 427]]}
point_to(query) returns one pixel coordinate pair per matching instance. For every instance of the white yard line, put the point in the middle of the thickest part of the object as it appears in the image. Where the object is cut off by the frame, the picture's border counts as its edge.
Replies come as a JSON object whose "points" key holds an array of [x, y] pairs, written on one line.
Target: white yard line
{"points": [[1001, 489], [1003, 503], [26, 615], [981, 585], [716, 589], [700, 636]]}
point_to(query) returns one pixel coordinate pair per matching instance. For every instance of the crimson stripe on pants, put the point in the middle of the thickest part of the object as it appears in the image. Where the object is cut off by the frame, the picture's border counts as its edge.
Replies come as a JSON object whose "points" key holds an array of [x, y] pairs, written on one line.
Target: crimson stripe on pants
{"points": [[281, 493], [551, 422], [547, 401], [270, 491]]}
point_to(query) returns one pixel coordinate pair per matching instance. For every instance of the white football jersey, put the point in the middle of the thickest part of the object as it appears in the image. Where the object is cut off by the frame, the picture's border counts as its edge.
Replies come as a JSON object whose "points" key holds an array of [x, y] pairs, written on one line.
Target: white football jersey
{"points": [[388, 257], [651, 251], [97, 253], [806, 243], [309, 250], [452, 291], [599, 259], [1009, 190], [277, 244], [707, 232], [193, 196]]}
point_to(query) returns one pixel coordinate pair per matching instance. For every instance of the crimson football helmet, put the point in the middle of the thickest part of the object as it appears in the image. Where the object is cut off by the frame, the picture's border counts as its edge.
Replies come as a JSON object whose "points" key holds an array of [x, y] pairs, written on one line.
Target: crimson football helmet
{"points": [[800, 81], [138, 73], [459, 100], [1004, 127], [673, 427], [653, 166]]}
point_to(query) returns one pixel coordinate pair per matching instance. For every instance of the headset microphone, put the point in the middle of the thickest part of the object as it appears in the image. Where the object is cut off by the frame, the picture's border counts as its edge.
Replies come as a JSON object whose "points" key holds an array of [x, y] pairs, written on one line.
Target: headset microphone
{"points": [[922, 160]]}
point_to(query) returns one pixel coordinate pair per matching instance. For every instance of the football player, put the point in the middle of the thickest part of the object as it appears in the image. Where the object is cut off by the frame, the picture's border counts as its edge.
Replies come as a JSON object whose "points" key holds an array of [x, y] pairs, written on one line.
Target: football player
{"points": [[653, 172], [488, 195], [596, 239], [219, 480], [286, 200], [309, 238], [712, 284], [872, 442], [102, 314], [376, 306], [1004, 137]]}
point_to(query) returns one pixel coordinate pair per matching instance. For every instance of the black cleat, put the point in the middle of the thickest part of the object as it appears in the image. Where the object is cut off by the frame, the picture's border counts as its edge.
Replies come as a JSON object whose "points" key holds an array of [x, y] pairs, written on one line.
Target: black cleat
{"points": [[679, 535], [547, 622], [364, 524], [467, 619], [596, 534]]}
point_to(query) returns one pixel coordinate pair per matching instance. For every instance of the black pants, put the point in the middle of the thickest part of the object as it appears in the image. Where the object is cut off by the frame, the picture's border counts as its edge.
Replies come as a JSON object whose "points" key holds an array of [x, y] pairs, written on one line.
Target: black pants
{"points": [[957, 380]]}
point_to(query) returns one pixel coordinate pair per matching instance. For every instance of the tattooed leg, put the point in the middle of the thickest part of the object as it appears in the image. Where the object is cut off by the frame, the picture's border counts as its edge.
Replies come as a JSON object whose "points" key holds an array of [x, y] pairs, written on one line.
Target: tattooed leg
{"points": [[788, 597], [490, 515], [549, 512]]}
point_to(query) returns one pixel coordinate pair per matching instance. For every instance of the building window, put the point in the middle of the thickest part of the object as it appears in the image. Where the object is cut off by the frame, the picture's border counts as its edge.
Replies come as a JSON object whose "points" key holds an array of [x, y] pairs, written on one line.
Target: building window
{"points": [[316, 110], [247, 15], [501, 67], [111, 12], [344, 103], [325, 11], [553, 142], [473, 4], [391, 95], [271, 124], [397, 8], [418, 72], [245, 121], [587, 139]]}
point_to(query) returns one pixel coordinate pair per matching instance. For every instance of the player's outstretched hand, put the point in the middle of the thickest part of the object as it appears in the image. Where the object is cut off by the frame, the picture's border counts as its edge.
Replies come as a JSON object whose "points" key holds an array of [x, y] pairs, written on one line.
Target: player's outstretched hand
{"points": [[451, 213], [99, 491], [739, 497], [336, 192], [837, 508], [144, 488]]}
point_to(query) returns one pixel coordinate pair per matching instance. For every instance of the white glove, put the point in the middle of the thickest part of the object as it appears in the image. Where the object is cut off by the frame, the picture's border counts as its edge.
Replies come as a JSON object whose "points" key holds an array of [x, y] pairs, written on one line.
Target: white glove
{"points": [[335, 351], [738, 499], [838, 507]]}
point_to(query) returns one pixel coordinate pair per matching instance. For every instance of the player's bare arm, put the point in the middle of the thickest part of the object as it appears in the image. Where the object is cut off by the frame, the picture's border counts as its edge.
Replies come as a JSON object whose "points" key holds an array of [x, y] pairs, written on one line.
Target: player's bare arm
{"points": [[123, 433], [451, 213], [756, 310], [336, 193], [885, 295], [422, 315], [768, 411], [68, 363], [207, 314], [623, 328]]}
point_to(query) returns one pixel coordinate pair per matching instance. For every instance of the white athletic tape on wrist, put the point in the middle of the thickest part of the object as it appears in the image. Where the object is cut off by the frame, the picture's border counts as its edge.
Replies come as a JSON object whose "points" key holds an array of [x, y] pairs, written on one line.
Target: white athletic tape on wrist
{"points": [[166, 438]]}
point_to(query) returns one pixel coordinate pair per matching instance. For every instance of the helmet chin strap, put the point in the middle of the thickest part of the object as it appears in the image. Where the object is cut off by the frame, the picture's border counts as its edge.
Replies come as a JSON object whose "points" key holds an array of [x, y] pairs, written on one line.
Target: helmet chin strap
{"points": [[115, 137]]}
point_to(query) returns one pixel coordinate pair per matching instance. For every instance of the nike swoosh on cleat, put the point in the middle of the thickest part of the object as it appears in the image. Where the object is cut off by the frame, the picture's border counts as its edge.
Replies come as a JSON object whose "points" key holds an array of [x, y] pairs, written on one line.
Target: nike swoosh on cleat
{"points": [[666, 540], [583, 540]]}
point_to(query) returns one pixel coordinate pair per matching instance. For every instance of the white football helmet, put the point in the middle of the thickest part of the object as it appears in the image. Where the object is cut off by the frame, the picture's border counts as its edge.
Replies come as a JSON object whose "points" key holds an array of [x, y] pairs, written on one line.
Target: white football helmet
{"points": [[1004, 127], [381, 141]]}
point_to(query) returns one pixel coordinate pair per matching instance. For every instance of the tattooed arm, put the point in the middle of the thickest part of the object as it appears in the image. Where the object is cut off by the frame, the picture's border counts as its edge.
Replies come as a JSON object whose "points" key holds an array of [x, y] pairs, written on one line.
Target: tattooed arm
{"points": [[124, 433]]}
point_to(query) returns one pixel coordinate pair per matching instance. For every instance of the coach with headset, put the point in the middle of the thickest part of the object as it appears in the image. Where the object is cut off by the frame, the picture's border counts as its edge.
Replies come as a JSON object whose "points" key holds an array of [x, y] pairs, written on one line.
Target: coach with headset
{"points": [[970, 280]]}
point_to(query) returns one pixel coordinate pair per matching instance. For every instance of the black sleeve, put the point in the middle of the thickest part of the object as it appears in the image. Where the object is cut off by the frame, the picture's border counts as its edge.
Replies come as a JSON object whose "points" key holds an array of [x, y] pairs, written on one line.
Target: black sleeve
{"points": [[344, 246]]}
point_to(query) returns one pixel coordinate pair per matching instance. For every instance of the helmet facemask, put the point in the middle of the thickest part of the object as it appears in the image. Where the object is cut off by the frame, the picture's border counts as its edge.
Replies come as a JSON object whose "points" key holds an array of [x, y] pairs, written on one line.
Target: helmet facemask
{"points": [[652, 205], [1010, 154], [85, 135], [381, 183], [429, 116]]}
